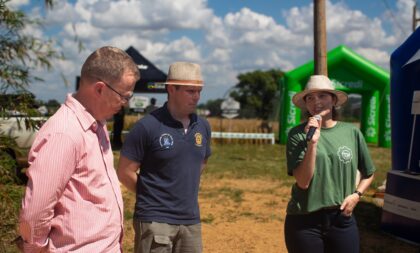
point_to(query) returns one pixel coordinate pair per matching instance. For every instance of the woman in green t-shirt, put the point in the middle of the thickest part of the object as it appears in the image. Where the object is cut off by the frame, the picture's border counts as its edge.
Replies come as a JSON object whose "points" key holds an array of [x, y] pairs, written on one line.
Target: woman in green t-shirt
{"points": [[324, 155]]}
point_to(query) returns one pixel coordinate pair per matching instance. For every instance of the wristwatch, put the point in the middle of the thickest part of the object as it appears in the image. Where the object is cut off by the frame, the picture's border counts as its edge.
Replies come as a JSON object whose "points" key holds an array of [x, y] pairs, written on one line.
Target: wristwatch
{"points": [[358, 193]]}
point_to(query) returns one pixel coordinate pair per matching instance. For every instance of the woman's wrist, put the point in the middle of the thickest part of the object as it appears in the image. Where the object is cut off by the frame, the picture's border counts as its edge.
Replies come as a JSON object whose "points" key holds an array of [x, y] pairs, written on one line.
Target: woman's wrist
{"points": [[359, 194]]}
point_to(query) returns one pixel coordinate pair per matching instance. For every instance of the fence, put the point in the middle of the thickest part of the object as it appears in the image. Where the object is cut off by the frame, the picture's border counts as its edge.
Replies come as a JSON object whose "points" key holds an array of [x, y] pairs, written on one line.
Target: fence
{"points": [[259, 138], [241, 131]]}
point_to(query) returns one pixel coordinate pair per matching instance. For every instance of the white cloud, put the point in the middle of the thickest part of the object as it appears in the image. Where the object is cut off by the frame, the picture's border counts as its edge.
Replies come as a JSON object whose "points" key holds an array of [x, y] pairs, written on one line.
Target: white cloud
{"points": [[299, 20], [183, 49], [62, 13], [16, 4], [150, 14], [83, 30], [165, 31], [377, 56]]}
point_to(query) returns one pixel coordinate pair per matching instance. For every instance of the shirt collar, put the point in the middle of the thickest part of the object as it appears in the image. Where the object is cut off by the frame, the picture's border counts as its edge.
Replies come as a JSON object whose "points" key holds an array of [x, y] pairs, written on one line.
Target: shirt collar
{"points": [[163, 115], [86, 120]]}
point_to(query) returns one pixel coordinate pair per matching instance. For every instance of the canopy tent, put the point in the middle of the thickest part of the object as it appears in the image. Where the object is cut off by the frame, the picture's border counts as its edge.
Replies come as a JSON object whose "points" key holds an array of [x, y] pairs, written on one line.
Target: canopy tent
{"points": [[151, 78], [401, 210]]}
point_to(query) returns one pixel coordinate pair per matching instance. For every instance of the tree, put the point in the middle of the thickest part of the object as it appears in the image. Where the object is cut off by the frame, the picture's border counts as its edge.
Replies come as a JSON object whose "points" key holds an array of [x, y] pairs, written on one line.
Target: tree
{"points": [[256, 92], [52, 106], [213, 105], [20, 55]]}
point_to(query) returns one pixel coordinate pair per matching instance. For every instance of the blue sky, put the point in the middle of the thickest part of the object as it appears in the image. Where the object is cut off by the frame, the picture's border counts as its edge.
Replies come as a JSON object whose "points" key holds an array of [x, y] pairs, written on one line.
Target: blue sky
{"points": [[226, 37]]}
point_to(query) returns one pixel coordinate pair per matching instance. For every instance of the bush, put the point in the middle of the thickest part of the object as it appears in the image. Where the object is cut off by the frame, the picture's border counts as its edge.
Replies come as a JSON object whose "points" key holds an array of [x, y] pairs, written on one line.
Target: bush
{"points": [[7, 169], [10, 199]]}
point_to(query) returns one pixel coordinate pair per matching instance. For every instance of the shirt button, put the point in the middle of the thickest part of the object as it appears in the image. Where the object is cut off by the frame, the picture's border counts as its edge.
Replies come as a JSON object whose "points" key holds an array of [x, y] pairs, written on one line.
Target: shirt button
{"points": [[94, 126]]}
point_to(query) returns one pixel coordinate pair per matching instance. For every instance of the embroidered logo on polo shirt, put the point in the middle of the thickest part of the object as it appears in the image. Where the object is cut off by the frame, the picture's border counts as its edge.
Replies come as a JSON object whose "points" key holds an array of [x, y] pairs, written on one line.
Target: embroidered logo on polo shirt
{"points": [[344, 154], [198, 139], [166, 140]]}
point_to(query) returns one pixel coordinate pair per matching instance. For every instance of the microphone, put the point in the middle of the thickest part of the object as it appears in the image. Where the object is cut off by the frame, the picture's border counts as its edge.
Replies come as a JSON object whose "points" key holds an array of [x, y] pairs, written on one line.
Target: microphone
{"points": [[312, 129]]}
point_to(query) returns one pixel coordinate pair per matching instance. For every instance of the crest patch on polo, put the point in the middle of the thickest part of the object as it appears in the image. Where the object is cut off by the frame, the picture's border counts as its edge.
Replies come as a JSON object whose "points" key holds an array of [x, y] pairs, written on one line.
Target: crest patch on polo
{"points": [[166, 141], [344, 154], [198, 139]]}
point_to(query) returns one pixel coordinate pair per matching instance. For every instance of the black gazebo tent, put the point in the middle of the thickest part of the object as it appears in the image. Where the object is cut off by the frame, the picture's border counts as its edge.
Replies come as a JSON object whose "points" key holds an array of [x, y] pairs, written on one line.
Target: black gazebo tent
{"points": [[151, 78]]}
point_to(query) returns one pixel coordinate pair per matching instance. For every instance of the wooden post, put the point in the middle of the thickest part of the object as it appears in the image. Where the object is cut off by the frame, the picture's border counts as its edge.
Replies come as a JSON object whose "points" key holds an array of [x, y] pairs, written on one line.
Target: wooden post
{"points": [[415, 19], [320, 38]]}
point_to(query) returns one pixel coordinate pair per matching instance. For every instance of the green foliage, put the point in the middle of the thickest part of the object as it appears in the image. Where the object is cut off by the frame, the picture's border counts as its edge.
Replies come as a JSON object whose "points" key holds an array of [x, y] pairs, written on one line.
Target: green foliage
{"points": [[214, 106], [10, 199], [7, 168], [257, 92], [7, 161], [21, 53]]}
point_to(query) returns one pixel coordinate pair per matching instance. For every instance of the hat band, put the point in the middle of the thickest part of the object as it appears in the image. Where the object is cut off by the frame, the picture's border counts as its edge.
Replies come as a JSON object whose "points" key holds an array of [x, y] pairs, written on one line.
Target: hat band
{"points": [[184, 81]]}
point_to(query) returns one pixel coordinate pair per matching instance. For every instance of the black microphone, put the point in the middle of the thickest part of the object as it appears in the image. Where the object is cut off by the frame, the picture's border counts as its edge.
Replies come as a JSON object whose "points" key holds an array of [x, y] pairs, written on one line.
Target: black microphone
{"points": [[312, 129]]}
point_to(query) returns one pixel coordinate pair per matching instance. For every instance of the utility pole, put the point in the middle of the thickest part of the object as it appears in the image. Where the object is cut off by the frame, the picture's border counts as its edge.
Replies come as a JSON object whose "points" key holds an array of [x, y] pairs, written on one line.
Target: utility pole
{"points": [[415, 19], [320, 38]]}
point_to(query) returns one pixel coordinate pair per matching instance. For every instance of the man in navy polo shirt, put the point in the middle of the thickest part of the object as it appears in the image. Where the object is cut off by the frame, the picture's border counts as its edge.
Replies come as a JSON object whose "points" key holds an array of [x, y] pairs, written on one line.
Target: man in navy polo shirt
{"points": [[170, 146]]}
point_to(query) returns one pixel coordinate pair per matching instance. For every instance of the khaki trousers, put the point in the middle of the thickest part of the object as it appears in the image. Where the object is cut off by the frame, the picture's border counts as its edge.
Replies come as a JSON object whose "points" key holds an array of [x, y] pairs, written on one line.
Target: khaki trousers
{"points": [[155, 237]]}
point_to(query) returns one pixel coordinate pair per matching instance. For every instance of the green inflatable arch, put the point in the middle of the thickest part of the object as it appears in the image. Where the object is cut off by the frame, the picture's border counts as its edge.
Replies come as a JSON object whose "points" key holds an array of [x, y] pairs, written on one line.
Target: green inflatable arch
{"points": [[351, 73]]}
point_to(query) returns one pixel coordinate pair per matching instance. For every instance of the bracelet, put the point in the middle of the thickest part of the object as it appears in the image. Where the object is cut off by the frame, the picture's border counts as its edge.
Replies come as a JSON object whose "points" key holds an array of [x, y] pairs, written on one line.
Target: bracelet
{"points": [[358, 193]]}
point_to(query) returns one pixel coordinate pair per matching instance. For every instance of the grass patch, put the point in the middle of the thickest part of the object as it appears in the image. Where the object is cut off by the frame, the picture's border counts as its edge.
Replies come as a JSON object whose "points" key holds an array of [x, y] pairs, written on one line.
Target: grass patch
{"points": [[208, 219], [247, 161], [271, 203], [236, 195], [269, 161], [10, 199], [235, 161]]}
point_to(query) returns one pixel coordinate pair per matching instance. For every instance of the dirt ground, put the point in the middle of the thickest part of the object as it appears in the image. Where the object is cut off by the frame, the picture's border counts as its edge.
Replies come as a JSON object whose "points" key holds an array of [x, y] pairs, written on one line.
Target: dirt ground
{"points": [[247, 216], [242, 215], [238, 216]]}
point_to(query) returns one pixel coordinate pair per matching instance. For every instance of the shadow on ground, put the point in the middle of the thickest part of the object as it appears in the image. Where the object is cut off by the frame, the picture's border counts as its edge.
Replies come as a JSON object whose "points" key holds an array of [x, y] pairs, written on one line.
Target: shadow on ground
{"points": [[372, 238]]}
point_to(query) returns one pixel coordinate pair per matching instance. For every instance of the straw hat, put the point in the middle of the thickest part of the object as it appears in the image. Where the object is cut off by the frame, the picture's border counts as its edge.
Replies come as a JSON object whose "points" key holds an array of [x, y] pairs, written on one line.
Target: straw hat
{"points": [[184, 73], [318, 83]]}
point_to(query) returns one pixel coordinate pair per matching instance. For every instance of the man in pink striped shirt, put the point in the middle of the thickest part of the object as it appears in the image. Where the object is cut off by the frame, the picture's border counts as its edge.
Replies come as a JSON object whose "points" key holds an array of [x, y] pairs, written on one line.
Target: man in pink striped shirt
{"points": [[73, 201]]}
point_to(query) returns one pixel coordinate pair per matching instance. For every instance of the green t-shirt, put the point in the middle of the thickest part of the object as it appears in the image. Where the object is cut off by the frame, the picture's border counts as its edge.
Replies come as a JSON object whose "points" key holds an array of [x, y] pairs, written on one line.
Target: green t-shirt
{"points": [[341, 150]]}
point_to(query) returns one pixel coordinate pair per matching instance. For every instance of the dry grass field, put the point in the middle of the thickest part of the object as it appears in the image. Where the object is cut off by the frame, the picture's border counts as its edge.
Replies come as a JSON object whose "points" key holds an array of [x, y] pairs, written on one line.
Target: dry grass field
{"points": [[243, 196]]}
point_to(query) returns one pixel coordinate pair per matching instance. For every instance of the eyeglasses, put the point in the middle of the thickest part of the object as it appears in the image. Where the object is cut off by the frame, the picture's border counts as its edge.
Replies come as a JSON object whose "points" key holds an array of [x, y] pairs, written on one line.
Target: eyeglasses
{"points": [[124, 98]]}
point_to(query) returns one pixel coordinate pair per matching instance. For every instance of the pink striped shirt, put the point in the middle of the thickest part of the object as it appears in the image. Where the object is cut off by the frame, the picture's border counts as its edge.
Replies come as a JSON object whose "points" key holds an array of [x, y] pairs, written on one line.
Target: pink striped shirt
{"points": [[73, 200]]}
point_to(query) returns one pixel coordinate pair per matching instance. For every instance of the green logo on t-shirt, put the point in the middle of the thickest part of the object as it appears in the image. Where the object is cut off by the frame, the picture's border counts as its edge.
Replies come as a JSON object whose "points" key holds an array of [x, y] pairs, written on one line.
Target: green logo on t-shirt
{"points": [[344, 154]]}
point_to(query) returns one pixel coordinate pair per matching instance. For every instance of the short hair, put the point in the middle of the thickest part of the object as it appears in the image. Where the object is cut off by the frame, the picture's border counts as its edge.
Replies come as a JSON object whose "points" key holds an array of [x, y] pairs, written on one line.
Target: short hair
{"points": [[108, 64]]}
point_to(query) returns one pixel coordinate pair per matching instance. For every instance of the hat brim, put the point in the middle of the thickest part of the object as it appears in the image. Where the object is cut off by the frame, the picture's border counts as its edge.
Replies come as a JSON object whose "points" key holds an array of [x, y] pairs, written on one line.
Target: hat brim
{"points": [[298, 99], [185, 82]]}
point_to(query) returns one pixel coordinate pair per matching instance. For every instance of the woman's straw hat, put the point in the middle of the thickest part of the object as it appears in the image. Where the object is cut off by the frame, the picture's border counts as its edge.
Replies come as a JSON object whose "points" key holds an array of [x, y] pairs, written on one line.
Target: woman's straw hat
{"points": [[184, 73], [318, 83]]}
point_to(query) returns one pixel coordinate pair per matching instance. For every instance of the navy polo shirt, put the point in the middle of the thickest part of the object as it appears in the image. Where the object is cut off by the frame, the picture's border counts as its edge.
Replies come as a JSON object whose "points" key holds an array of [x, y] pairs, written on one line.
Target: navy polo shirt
{"points": [[170, 163]]}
